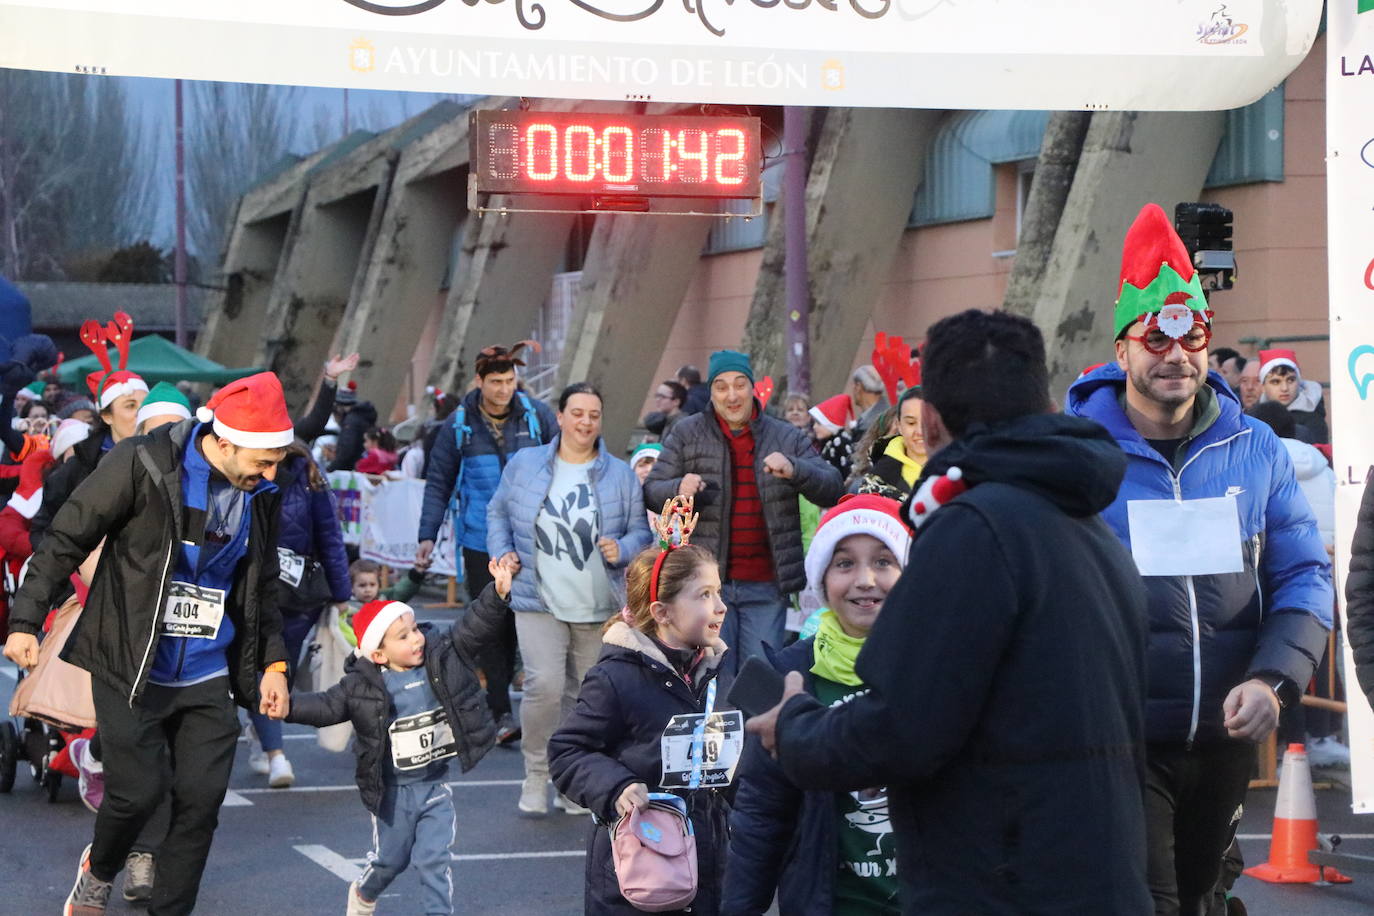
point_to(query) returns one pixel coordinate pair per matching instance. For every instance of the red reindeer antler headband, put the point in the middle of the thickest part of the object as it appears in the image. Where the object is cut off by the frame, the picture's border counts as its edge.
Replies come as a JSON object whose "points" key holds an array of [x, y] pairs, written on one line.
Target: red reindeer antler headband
{"points": [[892, 359]]}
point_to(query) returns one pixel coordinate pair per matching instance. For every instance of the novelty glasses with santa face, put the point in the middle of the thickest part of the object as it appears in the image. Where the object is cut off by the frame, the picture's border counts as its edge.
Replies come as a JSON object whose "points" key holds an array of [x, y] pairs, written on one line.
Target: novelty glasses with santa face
{"points": [[1158, 343]]}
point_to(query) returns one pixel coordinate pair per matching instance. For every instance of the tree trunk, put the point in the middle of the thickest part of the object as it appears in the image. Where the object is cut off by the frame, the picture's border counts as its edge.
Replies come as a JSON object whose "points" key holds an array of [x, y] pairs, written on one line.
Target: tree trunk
{"points": [[1054, 171]]}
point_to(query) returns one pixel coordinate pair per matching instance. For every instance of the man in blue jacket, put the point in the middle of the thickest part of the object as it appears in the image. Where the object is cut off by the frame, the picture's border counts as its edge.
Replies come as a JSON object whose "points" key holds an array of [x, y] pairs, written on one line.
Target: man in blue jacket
{"points": [[493, 422], [1236, 575]]}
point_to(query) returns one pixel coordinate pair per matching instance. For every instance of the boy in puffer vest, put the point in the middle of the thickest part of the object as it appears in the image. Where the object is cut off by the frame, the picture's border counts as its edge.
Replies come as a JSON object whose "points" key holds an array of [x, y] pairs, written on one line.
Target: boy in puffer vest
{"points": [[413, 697]]}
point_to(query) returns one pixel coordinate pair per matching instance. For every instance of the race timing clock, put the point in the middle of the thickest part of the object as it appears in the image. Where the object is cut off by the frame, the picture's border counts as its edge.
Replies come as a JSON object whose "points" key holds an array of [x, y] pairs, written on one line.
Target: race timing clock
{"points": [[609, 156]]}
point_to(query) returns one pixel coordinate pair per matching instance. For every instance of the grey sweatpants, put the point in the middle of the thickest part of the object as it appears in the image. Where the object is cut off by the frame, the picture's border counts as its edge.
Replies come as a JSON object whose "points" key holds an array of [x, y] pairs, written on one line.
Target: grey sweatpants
{"points": [[415, 824]]}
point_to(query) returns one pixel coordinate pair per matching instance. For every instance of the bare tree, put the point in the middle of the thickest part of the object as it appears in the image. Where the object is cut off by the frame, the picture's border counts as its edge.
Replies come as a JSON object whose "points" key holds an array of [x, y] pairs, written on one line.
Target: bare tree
{"points": [[235, 134], [76, 171]]}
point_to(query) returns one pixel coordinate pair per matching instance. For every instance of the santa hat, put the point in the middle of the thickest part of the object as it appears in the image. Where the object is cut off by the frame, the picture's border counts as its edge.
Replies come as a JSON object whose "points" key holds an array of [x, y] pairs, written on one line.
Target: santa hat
{"points": [[647, 450], [1158, 278], [28, 496], [69, 432], [1272, 359], [834, 413], [251, 413], [371, 622], [875, 516], [164, 400], [109, 384]]}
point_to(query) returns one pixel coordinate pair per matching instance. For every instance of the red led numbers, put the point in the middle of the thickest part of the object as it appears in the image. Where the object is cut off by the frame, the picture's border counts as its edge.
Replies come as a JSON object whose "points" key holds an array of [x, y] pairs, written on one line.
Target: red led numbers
{"points": [[653, 155]]}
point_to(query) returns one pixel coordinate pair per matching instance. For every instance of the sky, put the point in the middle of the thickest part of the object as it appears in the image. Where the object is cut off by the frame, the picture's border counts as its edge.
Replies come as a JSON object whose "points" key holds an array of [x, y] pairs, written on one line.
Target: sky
{"points": [[370, 109]]}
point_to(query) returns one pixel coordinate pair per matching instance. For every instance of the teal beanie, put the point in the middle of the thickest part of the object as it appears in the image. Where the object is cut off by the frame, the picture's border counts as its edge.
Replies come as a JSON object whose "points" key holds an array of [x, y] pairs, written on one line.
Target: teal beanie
{"points": [[729, 361]]}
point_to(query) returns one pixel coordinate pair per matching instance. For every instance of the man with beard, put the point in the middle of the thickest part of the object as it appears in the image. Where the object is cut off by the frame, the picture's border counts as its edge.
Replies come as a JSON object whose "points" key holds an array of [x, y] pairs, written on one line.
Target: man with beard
{"points": [[1236, 576]]}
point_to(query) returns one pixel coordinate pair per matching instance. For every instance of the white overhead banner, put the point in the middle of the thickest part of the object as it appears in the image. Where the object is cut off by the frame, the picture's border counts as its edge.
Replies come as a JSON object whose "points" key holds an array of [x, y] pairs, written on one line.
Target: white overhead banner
{"points": [[1038, 54], [1350, 245]]}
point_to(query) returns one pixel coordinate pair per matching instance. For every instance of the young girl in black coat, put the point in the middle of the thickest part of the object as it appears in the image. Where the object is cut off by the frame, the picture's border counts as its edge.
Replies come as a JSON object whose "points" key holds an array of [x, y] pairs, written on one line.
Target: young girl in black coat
{"points": [[638, 708]]}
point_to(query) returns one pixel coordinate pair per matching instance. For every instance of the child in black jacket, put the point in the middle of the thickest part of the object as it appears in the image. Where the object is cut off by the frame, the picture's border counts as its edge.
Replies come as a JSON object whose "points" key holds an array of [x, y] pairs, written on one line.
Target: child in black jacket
{"points": [[631, 731], [413, 697]]}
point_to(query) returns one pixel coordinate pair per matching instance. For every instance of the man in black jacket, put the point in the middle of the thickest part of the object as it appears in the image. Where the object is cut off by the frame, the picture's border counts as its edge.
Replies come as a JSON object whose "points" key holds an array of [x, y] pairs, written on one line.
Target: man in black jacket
{"points": [[180, 622], [1006, 709], [745, 470]]}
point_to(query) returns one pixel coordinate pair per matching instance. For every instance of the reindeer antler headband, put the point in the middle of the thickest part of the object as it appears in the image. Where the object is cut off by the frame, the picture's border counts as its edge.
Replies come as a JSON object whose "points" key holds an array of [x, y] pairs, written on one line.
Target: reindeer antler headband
{"points": [[111, 383], [674, 525]]}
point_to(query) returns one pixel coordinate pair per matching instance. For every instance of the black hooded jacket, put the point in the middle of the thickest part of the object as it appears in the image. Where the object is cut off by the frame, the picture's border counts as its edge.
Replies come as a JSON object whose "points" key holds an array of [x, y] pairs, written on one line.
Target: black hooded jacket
{"points": [[1007, 676]]}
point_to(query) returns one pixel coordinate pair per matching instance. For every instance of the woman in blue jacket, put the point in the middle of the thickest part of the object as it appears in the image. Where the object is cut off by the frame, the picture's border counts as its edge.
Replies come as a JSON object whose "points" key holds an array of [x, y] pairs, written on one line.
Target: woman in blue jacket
{"points": [[566, 518], [314, 572]]}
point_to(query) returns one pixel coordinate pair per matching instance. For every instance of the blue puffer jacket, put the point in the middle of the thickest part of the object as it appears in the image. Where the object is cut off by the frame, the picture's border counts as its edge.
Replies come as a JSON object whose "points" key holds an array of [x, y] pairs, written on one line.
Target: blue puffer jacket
{"points": [[310, 527], [512, 512], [1210, 633], [480, 462]]}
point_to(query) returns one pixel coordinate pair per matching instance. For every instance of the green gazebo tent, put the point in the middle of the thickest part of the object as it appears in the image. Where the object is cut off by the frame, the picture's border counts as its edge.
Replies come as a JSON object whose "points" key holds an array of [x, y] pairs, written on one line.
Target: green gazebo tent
{"points": [[157, 359]]}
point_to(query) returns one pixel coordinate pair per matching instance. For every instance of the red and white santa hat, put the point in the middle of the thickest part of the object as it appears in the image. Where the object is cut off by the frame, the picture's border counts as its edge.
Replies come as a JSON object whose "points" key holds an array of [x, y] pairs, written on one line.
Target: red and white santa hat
{"points": [[69, 432], [875, 516], [371, 622], [28, 496], [834, 413], [1273, 359], [251, 413]]}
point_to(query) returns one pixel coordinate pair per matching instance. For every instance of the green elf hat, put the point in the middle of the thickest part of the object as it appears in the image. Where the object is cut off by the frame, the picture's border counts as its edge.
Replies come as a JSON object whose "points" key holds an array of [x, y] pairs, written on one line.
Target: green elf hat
{"points": [[164, 400], [1158, 282]]}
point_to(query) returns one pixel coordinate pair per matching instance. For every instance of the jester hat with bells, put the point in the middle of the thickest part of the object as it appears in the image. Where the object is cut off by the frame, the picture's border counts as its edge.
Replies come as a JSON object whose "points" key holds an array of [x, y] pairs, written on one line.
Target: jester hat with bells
{"points": [[109, 384], [1159, 284]]}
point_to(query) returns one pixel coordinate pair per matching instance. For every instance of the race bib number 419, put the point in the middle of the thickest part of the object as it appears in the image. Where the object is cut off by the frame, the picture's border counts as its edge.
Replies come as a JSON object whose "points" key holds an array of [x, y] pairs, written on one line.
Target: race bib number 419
{"points": [[721, 746]]}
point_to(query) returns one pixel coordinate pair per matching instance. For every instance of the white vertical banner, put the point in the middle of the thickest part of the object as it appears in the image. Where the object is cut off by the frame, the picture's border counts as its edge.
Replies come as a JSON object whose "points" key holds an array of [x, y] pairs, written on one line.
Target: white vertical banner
{"points": [[1350, 240]]}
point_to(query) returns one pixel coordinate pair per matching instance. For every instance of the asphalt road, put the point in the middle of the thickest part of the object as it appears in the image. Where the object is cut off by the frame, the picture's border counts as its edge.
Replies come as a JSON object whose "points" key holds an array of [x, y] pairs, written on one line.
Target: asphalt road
{"points": [[293, 851]]}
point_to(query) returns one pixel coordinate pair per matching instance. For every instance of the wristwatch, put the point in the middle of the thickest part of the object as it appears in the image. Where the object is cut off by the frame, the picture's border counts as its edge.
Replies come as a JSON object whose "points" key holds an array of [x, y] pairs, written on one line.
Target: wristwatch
{"points": [[1285, 691]]}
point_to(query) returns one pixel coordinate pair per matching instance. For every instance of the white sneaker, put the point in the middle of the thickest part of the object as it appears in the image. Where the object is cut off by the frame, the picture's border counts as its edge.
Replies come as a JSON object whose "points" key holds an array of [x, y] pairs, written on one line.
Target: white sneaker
{"points": [[569, 806], [1327, 752], [534, 797], [257, 757], [280, 774], [357, 906]]}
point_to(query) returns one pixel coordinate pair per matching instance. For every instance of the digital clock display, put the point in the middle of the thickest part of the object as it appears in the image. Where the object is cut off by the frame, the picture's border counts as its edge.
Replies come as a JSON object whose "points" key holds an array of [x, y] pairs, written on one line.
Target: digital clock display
{"points": [[541, 152]]}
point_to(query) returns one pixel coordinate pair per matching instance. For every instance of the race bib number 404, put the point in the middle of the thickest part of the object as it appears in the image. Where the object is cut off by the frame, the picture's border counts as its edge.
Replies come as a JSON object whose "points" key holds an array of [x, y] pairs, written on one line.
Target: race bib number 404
{"points": [[193, 611], [421, 739], [721, 746]]}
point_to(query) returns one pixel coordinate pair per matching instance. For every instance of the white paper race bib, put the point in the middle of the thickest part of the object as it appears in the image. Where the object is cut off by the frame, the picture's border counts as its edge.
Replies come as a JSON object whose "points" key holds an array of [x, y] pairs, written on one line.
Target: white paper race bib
{"points": [[292, 566], [722, 745], [1195, 537], [421, 739], [193, 611]]}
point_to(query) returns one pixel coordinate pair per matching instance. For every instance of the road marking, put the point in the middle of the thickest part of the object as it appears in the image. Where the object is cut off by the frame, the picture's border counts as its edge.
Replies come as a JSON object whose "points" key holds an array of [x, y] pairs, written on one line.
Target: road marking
{"points": [[233, 799], [1343, 836], [350, 869], [331, 862], [464, 784]]}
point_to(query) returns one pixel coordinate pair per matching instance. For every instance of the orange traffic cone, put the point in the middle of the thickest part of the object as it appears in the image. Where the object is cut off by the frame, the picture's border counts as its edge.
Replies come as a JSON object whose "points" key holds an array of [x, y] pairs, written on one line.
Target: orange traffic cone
{"points": [[1295, 828]]}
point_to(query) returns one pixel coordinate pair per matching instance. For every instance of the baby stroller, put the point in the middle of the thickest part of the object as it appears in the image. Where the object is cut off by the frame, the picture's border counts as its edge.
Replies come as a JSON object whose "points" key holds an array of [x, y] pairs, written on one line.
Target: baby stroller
{"points": [[51, 705]]}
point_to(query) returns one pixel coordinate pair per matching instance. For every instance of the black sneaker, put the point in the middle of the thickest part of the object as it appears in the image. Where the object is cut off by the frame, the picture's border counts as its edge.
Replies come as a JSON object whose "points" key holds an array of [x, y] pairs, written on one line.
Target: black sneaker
{"points": [[89, 895], [507, 731], [138, 878]]}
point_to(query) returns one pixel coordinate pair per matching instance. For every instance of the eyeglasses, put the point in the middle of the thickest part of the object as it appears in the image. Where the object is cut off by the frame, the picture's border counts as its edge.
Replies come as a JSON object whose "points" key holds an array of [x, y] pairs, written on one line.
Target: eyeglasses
{"points": [[1158, 343]]}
